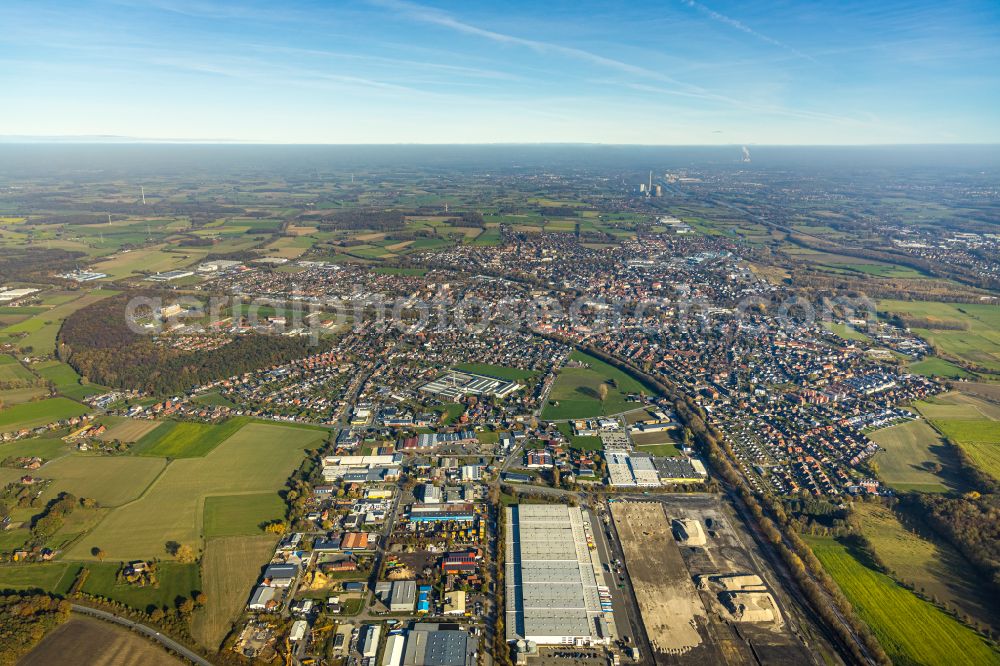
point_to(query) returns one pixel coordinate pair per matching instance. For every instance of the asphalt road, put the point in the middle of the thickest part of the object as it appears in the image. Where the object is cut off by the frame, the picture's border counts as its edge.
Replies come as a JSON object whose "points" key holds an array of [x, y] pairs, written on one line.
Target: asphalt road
{"points": [[149, 632]]}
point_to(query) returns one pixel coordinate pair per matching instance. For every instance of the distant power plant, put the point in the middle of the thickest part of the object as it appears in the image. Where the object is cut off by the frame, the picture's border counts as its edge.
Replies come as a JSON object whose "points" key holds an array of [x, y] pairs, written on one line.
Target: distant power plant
{"points": [[649, 189]]}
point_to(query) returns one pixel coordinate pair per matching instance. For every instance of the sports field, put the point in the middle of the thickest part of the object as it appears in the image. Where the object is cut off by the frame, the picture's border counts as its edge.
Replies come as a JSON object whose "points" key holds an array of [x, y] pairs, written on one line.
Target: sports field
{"points": [[911, 630], [239, 515], [921, 560], [229, 569], [111, 480], [908, 447], [42, 412], [257, 459], [185, 439], [577, 390]]}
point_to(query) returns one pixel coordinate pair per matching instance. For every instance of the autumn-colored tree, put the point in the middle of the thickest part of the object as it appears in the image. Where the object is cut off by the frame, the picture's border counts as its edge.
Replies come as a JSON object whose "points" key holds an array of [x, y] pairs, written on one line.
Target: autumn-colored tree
{"points": [[185, 554], [602, 392]]}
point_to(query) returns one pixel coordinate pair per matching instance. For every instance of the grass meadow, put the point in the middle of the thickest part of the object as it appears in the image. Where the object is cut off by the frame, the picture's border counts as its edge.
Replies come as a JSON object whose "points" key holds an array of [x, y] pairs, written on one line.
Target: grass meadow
{"points": [[576, 389], [41, 412]]}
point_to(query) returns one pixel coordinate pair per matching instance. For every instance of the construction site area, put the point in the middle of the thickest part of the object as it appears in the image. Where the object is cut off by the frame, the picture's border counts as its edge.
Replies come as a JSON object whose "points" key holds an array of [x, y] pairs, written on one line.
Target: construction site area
{"points": [[703, 597]]}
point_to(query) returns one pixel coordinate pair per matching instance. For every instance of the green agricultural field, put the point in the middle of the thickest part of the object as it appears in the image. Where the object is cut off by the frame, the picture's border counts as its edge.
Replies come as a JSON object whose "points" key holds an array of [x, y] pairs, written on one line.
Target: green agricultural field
{"points": [[127, 430], [175, 580], [214, 399], [229, 568], [932, 366], [969, 422], [41, 329], [978, 344], [153, 259], [47, 448], [911, 631], [13, 373], [241, 515], [487, 237], [577, 390], [924, 562], [497, 371], [908, 447], [31, 414], [17, 396], [111, 480], [66, 380], [846, 331], [186, 439], [256, 459], [54, 577]]}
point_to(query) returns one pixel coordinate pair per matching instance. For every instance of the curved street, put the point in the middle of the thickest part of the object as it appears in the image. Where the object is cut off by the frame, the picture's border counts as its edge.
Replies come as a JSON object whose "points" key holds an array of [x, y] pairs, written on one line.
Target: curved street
{"points": [[149, 632]]}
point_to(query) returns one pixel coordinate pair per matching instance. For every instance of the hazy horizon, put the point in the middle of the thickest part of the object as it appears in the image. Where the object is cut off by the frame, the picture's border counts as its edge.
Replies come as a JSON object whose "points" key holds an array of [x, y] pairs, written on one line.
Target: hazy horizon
{"points": [[685, 72]]}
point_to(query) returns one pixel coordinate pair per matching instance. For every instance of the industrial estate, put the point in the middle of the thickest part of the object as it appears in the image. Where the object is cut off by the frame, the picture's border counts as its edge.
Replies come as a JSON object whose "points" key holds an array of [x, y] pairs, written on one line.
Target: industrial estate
{"points": [[520, 411]]}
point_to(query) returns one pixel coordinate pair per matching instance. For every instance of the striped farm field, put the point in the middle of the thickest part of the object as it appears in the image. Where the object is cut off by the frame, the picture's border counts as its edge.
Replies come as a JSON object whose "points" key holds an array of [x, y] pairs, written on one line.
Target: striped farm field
{"points": [[184, 439], [912, 631]]}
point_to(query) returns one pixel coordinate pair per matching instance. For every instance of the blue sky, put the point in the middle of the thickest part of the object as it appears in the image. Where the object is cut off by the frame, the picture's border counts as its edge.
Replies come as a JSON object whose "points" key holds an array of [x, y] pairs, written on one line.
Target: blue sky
{"points": [[395, 71]]}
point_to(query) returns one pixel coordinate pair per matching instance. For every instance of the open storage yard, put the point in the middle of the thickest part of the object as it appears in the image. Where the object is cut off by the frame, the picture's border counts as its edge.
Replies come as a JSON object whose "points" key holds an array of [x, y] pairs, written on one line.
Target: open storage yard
{"points": [[676, 584]]}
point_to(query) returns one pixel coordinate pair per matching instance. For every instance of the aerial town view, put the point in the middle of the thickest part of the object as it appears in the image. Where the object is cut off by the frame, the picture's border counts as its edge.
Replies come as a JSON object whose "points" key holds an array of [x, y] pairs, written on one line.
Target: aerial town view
{"points": [[447, 385]]}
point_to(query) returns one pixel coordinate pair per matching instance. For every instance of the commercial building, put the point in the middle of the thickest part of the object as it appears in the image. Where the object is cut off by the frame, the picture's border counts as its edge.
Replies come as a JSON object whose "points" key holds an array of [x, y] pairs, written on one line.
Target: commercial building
{"points": [[393, 653], [299, 629], [430, 494], [280, 575], [402, 596], [169, 276], [424, 599], [369, 644], [552, 595], [360, 467], [626, 470], [454, 603], [434, 513], [453, 385], [430, 644]]}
